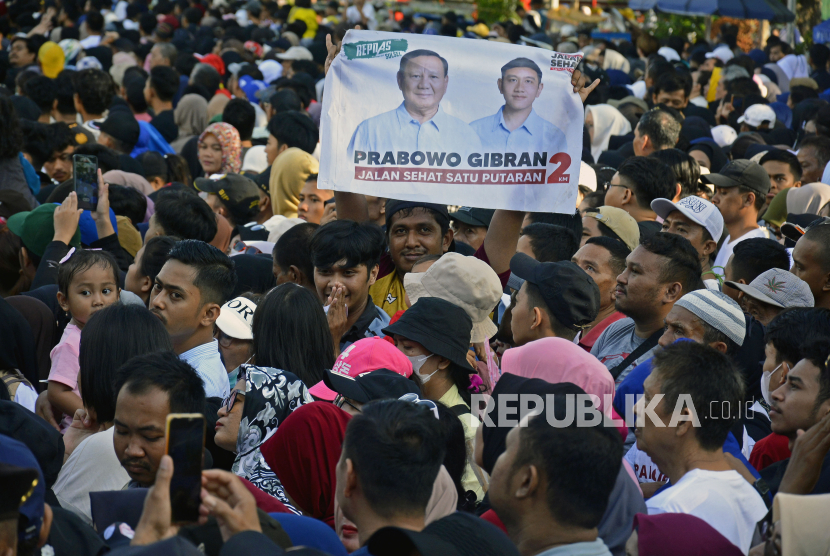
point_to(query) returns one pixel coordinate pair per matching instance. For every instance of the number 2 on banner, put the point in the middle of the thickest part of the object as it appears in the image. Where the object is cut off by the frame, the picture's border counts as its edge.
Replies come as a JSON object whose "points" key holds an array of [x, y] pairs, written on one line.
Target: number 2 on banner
{"points": [[559, 175]]}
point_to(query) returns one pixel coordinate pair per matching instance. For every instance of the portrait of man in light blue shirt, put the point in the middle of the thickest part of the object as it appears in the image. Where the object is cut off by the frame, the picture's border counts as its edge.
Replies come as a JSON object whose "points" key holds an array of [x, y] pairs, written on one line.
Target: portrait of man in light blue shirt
{"points": [[419, 123], [516, 127]]}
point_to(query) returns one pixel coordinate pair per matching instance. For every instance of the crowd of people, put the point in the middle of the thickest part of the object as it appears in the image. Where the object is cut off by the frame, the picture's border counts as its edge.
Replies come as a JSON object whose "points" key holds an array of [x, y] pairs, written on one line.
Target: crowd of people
{"points": [[363, 364]]}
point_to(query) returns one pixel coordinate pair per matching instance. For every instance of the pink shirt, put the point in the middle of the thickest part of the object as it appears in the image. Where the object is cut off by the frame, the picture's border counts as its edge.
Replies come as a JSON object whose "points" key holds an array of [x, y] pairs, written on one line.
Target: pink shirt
{"points": [[65, 366]]}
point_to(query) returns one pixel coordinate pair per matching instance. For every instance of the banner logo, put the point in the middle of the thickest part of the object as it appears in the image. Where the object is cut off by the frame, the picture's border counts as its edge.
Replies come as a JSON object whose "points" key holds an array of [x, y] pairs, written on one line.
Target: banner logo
{"points": [[391, 48]]}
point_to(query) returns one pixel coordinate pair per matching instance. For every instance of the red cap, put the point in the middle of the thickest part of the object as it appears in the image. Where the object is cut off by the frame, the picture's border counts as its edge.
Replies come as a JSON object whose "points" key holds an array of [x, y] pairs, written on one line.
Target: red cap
{"points": [[171, 20], [213, 60], [364, 356]]}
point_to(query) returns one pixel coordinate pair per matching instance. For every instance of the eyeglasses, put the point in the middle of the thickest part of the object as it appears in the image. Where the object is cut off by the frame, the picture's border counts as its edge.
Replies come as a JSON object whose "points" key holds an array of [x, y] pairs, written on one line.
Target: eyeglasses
{"points": [[429, 404], [230, 401], [340, 399]]}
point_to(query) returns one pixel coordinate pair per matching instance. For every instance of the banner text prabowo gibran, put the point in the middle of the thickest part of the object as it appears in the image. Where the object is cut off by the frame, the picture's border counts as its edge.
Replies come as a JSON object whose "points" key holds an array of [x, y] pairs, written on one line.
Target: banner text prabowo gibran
{"points": [[453, 121]]}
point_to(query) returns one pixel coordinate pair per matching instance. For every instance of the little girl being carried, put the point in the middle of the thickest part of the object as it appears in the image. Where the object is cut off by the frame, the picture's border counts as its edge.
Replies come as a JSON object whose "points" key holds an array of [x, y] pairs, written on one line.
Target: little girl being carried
{"points": [[87, 282]]}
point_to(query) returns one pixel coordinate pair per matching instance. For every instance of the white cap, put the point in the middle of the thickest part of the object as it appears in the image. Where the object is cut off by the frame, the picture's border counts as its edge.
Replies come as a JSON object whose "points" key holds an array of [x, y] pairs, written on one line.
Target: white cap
{"points": [[722, 53], [587, 176], [256, 160], [638, 89], [271, 70], [296, 53], [698, 210], [236, 317], [669, 53], [757, 114], [724, 135]]}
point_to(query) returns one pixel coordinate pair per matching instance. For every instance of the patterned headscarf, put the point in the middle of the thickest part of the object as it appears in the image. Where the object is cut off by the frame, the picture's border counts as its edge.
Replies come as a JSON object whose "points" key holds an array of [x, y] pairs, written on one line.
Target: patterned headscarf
{"points": [[228, 138], [270, 396]]}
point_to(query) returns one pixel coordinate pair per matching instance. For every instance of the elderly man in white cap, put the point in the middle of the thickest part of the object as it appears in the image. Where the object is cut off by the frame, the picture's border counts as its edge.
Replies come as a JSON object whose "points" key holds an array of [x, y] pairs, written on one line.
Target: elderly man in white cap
{"points": [[233, 331], [700, 222], [772, 292]]}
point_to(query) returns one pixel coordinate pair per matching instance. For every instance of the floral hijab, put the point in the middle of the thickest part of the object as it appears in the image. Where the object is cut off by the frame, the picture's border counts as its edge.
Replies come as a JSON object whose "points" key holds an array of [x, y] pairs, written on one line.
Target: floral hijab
{"points": [[231, 144], [270, 396]]}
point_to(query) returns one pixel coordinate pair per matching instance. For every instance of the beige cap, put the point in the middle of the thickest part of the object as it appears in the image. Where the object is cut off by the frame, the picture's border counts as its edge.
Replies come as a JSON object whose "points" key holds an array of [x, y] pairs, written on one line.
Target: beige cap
{"points": [[620, 222], [466, 282]]}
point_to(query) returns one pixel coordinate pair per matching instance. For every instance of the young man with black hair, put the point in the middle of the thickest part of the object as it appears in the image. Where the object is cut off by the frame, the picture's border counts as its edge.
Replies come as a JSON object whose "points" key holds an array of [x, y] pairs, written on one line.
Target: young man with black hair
{"points": [[672, 89], [547, 243], [741, 190], [603, 259], [638, 181], [290, 130], [686, 170], [657, 129], [93, 94], [41, 90], [59, 165], [573, 222], [392, 452], [704, 483], [183, 214], [159, 92], [555, 301], [189, 291], [551, 500], [784, 171], [658, 273], [241, 114], [700, 222], [346, 257], [813, 154], [750, 259], [800, 404], [811, 262], [149, 388], [94, 23], [292, 257]]}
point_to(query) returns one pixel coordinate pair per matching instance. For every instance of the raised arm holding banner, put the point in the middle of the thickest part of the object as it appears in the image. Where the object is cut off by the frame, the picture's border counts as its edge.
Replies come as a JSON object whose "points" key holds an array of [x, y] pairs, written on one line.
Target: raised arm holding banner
{"points": [[451, 121]]}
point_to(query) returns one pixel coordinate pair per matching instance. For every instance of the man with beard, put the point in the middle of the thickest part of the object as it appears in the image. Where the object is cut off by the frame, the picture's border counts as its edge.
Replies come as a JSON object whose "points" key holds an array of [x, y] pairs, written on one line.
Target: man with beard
{"points": [[658, 272], [190, 289]]}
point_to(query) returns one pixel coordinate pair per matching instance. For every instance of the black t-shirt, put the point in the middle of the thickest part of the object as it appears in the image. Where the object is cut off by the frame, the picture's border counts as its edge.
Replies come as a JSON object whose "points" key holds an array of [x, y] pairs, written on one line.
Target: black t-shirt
{"points": [[773, 474], [70, 536], [165, 123], [822, 78]]}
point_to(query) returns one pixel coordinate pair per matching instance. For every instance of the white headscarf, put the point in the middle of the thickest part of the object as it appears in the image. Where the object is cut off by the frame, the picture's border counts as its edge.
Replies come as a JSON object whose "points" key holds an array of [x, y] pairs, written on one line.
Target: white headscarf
{"points": [[794, 65], [608, 121], [615, 60]]}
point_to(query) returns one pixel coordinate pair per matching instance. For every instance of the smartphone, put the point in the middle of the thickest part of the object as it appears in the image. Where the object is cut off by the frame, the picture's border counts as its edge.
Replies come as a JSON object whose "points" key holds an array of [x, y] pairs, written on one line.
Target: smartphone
{"points": [[85, 172], [185, 442]]}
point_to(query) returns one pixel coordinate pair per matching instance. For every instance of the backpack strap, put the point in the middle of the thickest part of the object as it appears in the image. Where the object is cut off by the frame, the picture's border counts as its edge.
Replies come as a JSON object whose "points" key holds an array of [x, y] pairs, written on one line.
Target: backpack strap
{"points": [[650, 342]]}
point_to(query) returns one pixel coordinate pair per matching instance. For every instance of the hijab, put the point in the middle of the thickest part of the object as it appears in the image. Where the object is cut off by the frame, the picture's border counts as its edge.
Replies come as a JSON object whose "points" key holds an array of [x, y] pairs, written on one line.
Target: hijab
{"points": [[44, 329], [444, 498], [270, 396], [803, 522], [808, 199], [128, 179], [494, 437], [228, 138], [615, 61], [288, 175], [556, 360], [304, 451], [608, 121], [191, 116], [676, 534], [717, 158], [776, 213], [216, 106]]}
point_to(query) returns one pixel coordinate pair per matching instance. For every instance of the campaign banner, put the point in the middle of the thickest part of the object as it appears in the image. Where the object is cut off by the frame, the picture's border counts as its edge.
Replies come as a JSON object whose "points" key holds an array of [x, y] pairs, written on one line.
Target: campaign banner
{"points": [[452, 121]]}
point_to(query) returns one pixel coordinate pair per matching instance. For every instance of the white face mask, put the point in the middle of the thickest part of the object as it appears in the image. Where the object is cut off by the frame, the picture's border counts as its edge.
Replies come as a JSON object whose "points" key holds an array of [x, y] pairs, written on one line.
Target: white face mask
{"points": [[418, 362], [765, 383]]}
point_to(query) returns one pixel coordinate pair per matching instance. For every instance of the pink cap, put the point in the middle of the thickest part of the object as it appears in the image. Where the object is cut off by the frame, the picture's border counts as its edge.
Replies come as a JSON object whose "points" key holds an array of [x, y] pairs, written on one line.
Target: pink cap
{"points": [[364, 356]]}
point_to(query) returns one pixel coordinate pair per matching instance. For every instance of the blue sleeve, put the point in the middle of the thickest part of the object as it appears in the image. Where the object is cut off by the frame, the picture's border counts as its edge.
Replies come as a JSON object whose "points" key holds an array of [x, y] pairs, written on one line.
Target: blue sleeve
{"points": [[631, 388], [731, 447]]}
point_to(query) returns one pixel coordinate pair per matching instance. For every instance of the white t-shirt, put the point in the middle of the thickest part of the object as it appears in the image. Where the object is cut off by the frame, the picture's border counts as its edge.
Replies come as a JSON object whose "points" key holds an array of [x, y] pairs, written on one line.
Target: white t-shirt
{"points": [[645, 470], [91, 467], [728, 245], [353, 15], [723, 499]]}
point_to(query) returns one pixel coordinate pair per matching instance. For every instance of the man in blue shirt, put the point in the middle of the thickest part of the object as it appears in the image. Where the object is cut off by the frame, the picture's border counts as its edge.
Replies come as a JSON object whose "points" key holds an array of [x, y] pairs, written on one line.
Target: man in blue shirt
{"points": [[516, 127], [419, 123]]}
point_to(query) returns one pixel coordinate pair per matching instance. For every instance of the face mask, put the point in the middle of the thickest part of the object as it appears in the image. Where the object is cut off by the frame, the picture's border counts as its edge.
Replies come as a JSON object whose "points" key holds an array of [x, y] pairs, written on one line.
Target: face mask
{"points": [[417, 363], [765, 384], [233, 376]]}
